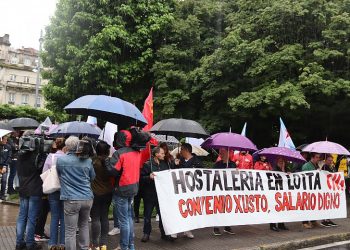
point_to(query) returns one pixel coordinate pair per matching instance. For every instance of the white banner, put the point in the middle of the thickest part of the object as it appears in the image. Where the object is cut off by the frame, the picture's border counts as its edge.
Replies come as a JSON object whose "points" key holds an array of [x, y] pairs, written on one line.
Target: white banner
{"points": [[197, 198]]}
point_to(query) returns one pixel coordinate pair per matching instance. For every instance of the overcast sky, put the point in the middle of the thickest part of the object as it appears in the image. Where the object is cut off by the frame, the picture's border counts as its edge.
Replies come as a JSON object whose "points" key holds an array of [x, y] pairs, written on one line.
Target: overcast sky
{"points": [[23, 20]]}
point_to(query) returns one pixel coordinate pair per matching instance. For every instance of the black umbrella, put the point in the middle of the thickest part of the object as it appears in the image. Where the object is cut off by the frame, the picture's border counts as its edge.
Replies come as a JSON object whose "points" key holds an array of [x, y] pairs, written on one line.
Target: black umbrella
{"points": [[5, 125], [179, 128], [23, 123], [76, 128]]}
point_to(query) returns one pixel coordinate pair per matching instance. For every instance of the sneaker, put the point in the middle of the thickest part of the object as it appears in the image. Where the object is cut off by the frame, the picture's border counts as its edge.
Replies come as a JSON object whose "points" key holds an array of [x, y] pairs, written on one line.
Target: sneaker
{"points": [[118, 248], [228, 230], [21, 246], [189, 234], [216, 231], [145, 238], [332, 224], [174, 236], [315, 224], [157, 217], [114, 231], [37, 238], [307, 226], [325, 223], [103, 247]]}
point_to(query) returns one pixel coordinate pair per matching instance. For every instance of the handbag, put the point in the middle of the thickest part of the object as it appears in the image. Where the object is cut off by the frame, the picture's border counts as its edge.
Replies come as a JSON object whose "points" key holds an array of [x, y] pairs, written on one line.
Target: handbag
{"points": [[51, 182]]}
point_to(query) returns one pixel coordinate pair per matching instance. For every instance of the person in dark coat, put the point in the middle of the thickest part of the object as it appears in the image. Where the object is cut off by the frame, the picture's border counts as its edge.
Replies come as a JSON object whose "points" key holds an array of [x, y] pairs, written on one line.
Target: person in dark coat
{"points": [[30, 192], [5, 160], [225, 162], [330, 167], [187, 160], [155, 164]]}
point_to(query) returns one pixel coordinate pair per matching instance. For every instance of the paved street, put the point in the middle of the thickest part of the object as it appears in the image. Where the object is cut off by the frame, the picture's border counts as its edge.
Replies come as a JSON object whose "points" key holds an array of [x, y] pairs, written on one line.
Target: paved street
{"points": [[247, 237]]}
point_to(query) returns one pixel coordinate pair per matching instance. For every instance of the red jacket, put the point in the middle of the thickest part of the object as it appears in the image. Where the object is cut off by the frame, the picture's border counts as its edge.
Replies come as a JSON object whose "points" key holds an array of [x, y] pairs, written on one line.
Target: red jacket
{"points": [[243, 161], [259, 165], [124, 166]]}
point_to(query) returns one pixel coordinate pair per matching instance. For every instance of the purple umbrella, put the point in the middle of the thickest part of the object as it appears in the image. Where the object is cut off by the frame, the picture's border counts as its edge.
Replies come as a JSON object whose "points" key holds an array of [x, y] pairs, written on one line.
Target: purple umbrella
{"points": [[326, 147], [273, 153], [229, 140]]}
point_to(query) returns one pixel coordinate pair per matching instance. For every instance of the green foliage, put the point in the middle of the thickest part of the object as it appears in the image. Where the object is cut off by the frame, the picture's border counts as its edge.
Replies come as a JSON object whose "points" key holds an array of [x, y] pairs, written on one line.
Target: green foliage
{"points": [[10, 112], [103, 47], [219, 62]]}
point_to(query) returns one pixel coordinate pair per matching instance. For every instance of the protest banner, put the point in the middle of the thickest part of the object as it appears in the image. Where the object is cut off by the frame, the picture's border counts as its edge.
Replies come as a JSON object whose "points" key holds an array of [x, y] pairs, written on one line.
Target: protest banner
{"points": [[197, 198]]}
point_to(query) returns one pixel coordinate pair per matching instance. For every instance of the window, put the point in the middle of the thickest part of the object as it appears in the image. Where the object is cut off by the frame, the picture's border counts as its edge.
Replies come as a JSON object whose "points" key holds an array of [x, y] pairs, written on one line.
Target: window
{"points": [[26, 79], [27, 62], [38, 102], [25, 98], [14, 60], [12, 97], [13, 78]]}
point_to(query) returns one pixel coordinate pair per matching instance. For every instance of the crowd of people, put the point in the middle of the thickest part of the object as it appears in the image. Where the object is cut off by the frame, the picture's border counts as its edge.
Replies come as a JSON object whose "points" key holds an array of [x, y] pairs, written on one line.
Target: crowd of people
{"points": [[92, 179]]}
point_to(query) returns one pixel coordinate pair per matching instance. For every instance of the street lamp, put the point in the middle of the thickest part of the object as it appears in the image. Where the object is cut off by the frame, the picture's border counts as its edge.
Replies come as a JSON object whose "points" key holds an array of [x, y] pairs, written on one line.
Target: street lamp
{"points": [[41, 39]]}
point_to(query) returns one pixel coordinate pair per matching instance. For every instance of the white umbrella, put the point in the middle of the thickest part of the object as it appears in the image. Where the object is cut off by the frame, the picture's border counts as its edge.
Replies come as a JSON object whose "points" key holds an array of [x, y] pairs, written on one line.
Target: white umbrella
{"points": [[197, 150], [4, 132]]}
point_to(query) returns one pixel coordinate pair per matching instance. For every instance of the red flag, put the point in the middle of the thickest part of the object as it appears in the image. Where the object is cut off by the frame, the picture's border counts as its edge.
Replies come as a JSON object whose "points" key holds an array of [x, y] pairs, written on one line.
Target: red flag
{"points": [[148, 111], [148, 114]]}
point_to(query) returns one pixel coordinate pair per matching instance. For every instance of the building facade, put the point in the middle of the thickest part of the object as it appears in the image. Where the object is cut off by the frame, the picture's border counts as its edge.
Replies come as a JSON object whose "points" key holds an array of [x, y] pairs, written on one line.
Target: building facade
{"points": [[18, 75]]}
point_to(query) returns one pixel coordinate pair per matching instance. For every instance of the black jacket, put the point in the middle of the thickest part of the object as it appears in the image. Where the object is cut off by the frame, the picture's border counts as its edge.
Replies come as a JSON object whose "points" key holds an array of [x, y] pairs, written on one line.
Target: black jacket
{"points": [[28, 170], [194, 162], [148, 186], [5, 155]]}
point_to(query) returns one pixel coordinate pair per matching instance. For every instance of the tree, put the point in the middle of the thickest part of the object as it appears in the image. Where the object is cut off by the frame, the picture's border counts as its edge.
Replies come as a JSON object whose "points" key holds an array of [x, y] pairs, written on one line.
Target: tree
{"points": [[103, 47], [281, 58], [10, 112]]}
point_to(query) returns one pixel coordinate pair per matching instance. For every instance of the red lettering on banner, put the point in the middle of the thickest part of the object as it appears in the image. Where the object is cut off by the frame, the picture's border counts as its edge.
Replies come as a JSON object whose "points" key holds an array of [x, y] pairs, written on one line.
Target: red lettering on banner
{"points": [[208, 210], [182, 212]]}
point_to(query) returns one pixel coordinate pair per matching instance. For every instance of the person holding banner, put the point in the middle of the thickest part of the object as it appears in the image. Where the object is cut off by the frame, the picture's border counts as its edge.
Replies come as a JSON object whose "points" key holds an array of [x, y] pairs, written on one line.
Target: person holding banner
{"points": [[243, 160], [155, 164], [309, 166], [187, 160], [280, 167], [225, 162], [262, 164], [328, 166]]}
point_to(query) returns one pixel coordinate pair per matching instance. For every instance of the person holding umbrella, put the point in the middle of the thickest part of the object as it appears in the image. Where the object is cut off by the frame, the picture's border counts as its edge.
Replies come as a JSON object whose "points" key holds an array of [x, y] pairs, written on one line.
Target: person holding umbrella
{"points": [[280, 167], [262, 164], [5, 160], [225, 162], [309, 166]]}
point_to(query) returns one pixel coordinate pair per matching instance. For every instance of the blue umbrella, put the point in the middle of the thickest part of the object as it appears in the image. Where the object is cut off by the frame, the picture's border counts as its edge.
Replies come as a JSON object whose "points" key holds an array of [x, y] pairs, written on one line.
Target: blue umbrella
{"points": [[108, 108], [77, 129]]}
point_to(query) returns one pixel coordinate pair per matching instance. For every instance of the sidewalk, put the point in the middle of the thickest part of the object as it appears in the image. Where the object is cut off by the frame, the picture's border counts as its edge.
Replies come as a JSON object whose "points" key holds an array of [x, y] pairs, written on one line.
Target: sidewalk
{"points": [[247, 237]]}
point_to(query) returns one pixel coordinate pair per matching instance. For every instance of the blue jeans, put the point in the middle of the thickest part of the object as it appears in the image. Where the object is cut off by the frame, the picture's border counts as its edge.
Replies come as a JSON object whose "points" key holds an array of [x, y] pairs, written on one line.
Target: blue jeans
{"points": [[126, 222], [57, 216], [29, 208], [115, 213]]}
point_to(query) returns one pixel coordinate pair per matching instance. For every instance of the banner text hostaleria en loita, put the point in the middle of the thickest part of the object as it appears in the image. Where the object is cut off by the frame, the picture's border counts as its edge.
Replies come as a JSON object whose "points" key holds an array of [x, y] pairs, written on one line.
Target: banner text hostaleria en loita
{"points": [[197, 198]]}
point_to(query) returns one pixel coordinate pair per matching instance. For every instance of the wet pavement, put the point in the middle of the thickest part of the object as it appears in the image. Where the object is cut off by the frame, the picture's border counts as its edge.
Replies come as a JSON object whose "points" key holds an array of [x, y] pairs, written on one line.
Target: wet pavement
{"points": [[247, 237]]}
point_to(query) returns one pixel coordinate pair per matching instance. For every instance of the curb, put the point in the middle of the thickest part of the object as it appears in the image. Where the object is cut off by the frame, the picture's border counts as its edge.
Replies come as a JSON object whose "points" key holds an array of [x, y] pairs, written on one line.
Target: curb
{"points": [[9, 203], [308, 242]]}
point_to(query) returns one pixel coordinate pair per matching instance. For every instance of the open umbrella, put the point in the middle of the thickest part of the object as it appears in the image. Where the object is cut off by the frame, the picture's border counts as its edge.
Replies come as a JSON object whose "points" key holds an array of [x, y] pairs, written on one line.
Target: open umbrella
{"points": [[4, 132], [197, 150], [44, 126], [108, 108], [229, 140], [23, 123], [179, 128], [5, 125], [274, 152], [326, 147], [165, 138], [76, 128]]}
